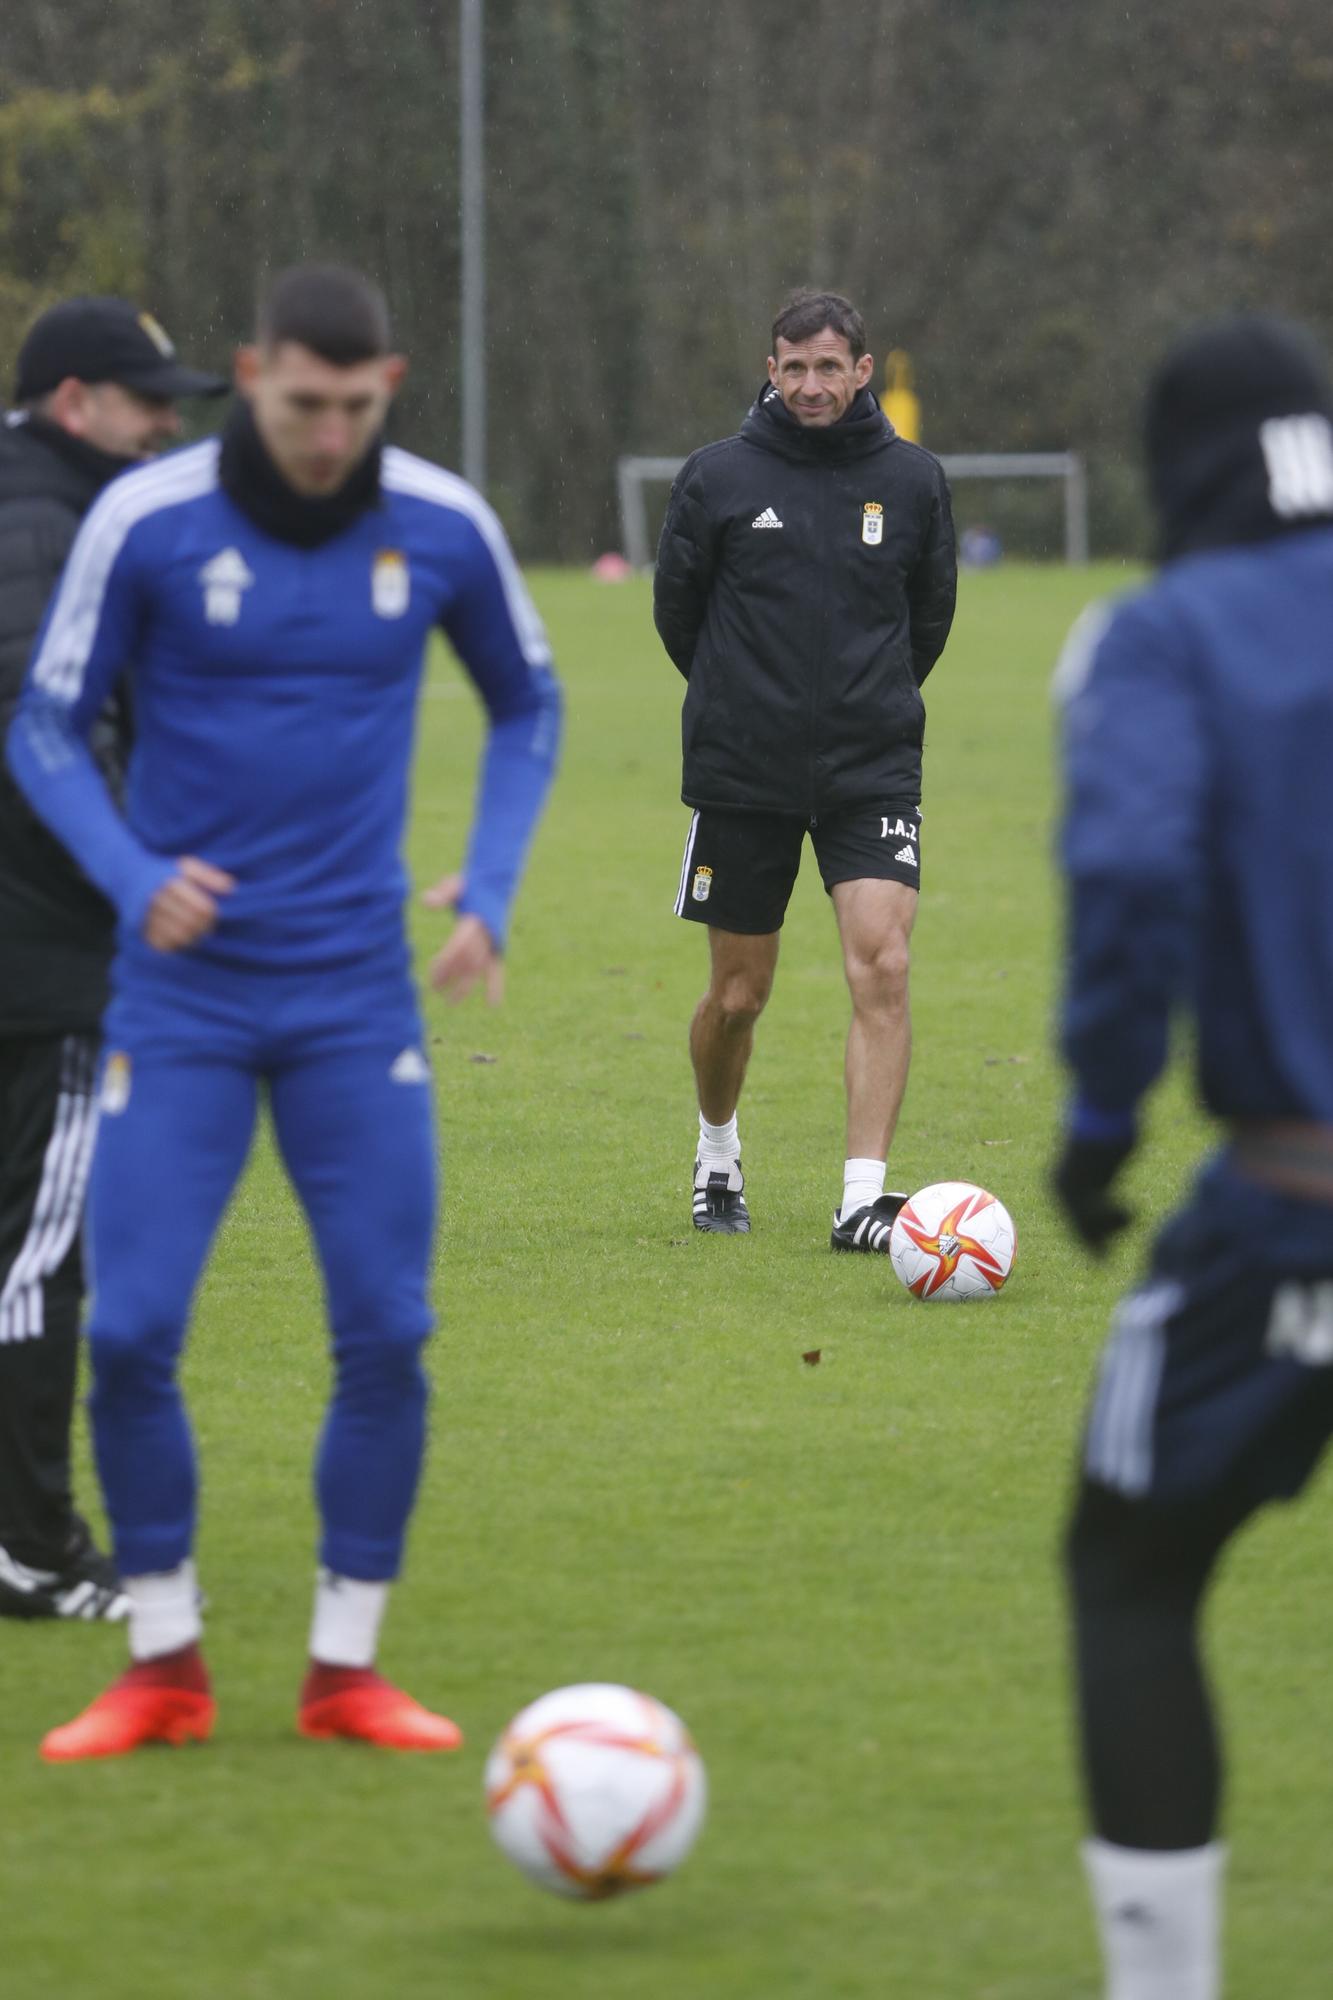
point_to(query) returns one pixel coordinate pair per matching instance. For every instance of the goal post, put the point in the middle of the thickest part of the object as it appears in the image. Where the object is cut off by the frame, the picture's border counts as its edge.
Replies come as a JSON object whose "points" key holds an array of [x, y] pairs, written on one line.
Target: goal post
{"points": [[634, 474]]}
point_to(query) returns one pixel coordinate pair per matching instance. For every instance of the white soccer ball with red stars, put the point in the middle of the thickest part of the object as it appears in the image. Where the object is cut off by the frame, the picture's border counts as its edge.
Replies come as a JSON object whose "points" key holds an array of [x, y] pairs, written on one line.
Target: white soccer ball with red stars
{"points": [[594, 1790], [953, 1241]]}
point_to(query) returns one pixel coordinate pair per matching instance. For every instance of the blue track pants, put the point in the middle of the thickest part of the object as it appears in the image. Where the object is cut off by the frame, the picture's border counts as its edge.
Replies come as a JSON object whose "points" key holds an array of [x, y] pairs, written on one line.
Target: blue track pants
{"points": [[352, 1110]]}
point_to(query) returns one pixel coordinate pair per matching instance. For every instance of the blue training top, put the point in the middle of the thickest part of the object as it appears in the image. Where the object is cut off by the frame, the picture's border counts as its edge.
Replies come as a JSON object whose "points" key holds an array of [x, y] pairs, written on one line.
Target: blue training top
{"points": [[1198, 837], [274, 690]]}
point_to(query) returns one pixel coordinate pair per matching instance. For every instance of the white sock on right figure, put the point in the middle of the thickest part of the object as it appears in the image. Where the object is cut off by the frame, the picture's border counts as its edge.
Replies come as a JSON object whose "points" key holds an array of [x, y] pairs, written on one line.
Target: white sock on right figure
{"points": [[1159, 1915]]}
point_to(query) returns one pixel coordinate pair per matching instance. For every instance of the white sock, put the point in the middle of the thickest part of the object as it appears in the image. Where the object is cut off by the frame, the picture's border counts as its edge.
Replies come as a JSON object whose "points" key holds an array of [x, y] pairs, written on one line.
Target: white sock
{"points": [[719, 1145], [862, 1183], [1159, 1915], [345, 1629], [164, 1612]]}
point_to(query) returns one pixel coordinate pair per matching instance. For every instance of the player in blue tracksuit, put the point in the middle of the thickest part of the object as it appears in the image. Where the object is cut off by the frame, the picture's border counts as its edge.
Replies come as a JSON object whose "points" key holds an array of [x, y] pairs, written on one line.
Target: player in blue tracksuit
{"points": [[1198, 846], [269, 597]]}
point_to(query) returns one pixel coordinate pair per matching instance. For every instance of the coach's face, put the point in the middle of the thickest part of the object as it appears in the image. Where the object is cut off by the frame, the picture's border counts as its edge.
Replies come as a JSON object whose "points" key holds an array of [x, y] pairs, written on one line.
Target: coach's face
{"points": [[817, 378], [317, 419]]}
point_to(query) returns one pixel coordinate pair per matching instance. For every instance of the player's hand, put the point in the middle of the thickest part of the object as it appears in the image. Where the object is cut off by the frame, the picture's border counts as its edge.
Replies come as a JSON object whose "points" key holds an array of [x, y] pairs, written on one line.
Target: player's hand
{"points": [[185, 908], [1083, 1178], [470, 955]]}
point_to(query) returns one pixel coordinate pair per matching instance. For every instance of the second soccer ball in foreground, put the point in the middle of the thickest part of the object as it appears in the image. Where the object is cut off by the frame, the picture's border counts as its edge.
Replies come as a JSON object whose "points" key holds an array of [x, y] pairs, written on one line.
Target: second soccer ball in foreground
{"points": [[953, 1241], [595, 1789]]}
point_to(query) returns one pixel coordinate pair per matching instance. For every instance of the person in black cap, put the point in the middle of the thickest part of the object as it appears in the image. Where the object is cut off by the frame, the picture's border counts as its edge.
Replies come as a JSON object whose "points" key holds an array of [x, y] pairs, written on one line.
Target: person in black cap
{"points": [[1198, 849], [95, 392]]}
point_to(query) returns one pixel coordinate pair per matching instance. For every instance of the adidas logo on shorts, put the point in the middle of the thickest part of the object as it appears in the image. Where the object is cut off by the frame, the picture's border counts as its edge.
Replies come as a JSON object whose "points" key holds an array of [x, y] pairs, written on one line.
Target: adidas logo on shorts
{"points": [[768, 519], [906, 854]]}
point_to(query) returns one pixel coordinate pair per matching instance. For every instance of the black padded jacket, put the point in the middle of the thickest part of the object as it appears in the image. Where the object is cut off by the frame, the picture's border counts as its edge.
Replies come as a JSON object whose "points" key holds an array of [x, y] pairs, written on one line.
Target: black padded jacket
{"points": [[805, 588], [56, 930]]}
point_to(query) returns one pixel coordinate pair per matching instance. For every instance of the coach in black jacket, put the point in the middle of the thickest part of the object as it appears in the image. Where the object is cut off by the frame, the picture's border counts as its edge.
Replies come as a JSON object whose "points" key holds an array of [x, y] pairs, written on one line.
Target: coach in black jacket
{"points": [[94, 394], [805, 588]]}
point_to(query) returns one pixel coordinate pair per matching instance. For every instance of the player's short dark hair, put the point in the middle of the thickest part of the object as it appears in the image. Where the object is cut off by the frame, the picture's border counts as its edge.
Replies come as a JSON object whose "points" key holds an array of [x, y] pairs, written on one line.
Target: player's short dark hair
{"points": [[334, 311], [807, 313]]}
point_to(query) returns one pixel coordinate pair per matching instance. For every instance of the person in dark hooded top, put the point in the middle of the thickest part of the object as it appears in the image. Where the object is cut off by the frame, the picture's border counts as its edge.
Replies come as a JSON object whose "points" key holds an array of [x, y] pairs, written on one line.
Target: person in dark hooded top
{"points": [[95, 393], [1198, 851], [805, 588]]}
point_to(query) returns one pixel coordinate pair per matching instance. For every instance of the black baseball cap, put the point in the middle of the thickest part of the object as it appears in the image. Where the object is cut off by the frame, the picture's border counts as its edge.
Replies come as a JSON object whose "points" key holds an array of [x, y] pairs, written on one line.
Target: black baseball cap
{"points": [[105, 340]]}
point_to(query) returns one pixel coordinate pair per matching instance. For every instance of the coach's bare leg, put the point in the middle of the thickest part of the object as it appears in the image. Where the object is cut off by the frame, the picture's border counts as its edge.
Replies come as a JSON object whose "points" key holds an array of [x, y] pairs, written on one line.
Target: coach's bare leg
{"points": [[722, 1031], [875, 924]]}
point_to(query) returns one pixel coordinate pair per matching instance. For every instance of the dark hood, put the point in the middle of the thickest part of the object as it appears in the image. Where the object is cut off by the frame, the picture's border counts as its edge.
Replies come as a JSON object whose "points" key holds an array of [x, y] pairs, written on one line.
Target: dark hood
{"points": [[861, 429], [1210, 481]]}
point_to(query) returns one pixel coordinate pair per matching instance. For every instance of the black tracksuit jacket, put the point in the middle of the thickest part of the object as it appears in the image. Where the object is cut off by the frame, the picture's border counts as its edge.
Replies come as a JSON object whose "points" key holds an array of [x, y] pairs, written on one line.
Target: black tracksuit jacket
{"points": [[805, 587], [57, 932]]}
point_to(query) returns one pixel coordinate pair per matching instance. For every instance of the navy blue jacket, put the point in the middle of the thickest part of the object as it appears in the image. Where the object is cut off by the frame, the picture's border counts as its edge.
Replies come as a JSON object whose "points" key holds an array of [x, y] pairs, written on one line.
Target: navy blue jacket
{"points": [[1198, 834]]}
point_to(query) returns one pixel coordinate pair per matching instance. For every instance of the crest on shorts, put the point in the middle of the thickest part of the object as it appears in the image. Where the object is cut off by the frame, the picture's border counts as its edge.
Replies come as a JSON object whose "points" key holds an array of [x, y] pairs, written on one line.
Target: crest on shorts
{"points": [[115, 1083], [390, 583], [703, 882], [872, 523]]}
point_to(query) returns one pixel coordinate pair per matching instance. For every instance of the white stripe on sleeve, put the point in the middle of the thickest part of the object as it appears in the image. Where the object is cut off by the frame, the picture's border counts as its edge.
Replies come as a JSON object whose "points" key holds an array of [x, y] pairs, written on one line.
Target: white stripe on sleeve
{"points": [[402, 472]]}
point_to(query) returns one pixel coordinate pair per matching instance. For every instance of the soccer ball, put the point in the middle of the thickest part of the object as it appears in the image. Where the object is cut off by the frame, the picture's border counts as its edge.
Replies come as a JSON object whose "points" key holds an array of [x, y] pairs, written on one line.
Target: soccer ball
{"points": [[596, 1789], [953, 1241]]}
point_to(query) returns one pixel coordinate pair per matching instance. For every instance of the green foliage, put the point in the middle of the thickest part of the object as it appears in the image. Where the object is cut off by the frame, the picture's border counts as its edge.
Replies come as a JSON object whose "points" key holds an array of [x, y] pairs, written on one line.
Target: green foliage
{"points": [[844, 1576], [1031, 198]]}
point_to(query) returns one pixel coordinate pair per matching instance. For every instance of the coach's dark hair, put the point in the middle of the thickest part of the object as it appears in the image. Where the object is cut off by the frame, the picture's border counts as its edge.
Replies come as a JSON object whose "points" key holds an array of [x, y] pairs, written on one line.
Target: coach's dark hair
{"points": [[335, 312], [807, 313]]}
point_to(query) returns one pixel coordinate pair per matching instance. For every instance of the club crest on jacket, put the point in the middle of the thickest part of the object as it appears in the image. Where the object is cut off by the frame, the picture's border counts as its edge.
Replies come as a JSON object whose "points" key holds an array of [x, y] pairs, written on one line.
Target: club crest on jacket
{"points": [[390, 584]]}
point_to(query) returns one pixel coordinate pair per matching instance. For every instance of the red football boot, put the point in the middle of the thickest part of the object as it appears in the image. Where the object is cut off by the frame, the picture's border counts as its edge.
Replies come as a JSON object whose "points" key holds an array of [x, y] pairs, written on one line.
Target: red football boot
{"points": [[166, 1700], [359, 1703]]}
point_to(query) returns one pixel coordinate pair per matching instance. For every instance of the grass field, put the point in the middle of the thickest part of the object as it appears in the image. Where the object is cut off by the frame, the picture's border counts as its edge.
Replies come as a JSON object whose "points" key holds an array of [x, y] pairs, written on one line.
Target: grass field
{"points": [[843, 1576]]}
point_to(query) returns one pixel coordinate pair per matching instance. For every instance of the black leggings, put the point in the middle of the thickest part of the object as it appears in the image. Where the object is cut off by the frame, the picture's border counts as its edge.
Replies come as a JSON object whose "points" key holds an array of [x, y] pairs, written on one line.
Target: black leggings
{"points": [[1137, 1573]]}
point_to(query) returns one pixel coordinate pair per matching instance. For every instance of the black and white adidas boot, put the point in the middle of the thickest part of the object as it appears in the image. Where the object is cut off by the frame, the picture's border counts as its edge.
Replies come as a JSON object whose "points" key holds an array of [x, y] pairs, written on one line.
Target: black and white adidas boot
{"points": [[87, 1587], [867, 1228], [719, 1201]]}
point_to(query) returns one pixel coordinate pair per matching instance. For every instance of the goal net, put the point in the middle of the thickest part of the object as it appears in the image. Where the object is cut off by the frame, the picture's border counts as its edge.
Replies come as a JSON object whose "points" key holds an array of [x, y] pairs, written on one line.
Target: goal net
{"points": [[634, 475]]}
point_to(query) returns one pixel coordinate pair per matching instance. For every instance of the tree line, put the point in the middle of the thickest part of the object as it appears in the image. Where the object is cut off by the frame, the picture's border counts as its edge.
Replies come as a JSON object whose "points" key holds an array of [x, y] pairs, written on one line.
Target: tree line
{"points": [[1031, 198]]}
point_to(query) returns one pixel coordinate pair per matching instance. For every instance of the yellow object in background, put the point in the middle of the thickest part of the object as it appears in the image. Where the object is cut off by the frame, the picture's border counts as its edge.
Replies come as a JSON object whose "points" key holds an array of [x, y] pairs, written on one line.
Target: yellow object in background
{"points": [[901, 404]]}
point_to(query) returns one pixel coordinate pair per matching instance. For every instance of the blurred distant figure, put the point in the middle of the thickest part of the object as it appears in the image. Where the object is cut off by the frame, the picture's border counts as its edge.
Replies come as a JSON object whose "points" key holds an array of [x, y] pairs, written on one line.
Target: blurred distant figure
{"points": [[979, 548], [1198, 845], [902, 405], [611, 568], [805, 588], [95, 393]]}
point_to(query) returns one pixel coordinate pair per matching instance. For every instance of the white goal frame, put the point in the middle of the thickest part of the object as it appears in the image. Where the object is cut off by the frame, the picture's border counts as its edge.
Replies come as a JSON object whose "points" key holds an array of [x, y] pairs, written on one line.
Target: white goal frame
{"points": [[634, 473]]}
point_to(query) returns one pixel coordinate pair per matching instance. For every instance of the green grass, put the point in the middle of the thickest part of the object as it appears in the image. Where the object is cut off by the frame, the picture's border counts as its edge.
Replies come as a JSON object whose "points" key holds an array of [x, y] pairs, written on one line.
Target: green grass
{"points": [[843, 1576]]}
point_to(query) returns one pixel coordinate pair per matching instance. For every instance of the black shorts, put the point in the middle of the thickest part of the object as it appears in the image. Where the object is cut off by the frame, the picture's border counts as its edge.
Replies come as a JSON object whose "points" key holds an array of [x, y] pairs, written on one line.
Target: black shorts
{"points": [[740, 867], [1218, 1376]]}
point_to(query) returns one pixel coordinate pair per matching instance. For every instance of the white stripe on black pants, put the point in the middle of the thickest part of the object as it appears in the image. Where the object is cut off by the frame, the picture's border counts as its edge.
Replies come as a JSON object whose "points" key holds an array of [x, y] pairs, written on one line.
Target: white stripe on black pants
{"points": [[48, 1121], [685, 863]]}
